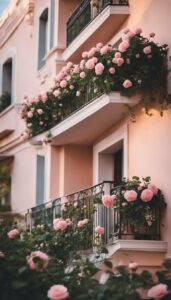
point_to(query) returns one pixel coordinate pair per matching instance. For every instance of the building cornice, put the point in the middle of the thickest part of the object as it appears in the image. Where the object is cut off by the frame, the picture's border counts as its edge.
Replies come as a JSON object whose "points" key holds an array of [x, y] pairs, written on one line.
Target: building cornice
{"points": [[13, 16]]}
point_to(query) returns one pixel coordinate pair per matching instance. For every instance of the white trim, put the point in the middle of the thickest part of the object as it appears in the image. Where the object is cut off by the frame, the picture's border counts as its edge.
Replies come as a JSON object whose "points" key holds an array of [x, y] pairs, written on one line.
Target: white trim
{"points": [[137, 245], [85, 112], [118, 135], [93, 26]]}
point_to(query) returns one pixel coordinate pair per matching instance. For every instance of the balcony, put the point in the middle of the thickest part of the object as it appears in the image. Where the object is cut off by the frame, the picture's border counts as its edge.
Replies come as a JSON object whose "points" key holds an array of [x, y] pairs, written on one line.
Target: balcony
{"points": [[84, 123], [91, 24], [87, 204]]}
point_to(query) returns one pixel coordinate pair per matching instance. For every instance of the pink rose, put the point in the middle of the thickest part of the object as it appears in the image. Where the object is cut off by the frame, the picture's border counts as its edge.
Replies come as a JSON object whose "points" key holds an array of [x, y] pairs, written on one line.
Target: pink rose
{"points": [[114, 60], [117, 55], [137, 55], [146, 195], [58, 292], [130, 195], [100, 230], [138, 31], [99, 68], [39, 111], [139, 81], [13, 233], [123, 46], [147, 50], [104, 50], [90, 64], [99, 45], [85, 54], [76, 69], [37, 265], [158, 291], [112, 70], [153, 188], [81, 223], [71, 87], [82, 75], [29, 114], [57, 93], [82, 63], [63, 84], [69, 64], [119, 61], [108, 200], [127, 84], [130, 34], [78, 93], [44, 98], [133, 266], [59, 224], [95, 59], [59, 76], [92, 52]]}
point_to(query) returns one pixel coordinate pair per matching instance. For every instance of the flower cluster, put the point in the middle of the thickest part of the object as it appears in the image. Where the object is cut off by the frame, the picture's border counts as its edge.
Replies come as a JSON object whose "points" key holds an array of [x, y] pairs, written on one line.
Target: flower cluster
{"points": [[138, 202], [137, 66], [26, 271]]}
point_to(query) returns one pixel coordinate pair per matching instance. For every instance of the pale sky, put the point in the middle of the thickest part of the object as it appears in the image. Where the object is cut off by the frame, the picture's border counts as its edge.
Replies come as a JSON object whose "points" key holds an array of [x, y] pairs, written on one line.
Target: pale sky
{"points": [[3, 5]]}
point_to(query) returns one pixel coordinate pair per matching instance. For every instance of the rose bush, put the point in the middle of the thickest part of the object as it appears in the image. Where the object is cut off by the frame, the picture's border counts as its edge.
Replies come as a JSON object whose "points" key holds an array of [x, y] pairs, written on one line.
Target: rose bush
{"points": [[30, 273], [139, 203], [51, 279], [137, 66]]}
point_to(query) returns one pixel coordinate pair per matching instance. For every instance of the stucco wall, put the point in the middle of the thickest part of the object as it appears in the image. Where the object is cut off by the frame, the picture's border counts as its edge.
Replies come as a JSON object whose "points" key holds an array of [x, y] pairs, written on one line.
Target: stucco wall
{"points": [[78, 168]]}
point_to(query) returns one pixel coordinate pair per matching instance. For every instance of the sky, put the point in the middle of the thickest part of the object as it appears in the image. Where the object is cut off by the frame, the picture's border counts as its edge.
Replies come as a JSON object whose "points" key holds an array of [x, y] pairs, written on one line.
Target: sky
{"points": [[3, 5]]}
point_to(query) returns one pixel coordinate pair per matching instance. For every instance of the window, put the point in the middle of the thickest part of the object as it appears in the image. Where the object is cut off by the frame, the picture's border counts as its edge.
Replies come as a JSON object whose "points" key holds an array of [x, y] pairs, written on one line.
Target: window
{"points": [[6, 92], [40, 180], [43, 38]]}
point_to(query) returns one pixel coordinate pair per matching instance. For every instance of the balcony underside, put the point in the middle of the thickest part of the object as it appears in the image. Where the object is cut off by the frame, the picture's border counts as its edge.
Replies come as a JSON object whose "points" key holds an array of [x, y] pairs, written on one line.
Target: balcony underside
{"points": [[84, 126], [101, 29], [87, 124]]}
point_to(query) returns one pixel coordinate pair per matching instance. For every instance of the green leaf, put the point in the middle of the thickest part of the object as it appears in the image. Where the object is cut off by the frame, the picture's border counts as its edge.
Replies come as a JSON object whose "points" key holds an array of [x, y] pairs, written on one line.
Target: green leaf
{"points": [[108, 263]]}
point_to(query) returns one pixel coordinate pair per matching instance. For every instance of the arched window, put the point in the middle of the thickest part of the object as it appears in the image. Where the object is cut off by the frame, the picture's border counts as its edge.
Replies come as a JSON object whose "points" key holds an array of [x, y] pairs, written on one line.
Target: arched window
{"points": [[43, 37]]}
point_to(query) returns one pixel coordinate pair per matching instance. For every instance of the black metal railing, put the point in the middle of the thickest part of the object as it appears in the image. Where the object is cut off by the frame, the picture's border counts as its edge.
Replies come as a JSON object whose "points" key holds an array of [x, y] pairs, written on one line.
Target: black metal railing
{"points": [[74, 103], [87, 204], [85, 13]]}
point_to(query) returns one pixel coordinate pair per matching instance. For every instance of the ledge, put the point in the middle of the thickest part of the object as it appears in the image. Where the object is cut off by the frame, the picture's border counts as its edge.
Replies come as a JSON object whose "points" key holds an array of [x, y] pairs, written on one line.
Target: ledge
{"points": [[137, 245], [89, 122]]}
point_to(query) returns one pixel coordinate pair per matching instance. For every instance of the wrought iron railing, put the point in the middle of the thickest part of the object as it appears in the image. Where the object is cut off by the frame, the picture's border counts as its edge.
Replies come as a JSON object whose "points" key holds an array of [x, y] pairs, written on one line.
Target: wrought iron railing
{"points": [[85, 13], [72, 104], [86, 204]]}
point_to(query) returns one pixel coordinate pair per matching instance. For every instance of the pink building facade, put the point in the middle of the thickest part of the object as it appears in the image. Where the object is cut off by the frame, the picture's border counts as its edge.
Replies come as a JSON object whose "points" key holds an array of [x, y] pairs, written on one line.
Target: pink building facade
{"points": [[97, 142]]}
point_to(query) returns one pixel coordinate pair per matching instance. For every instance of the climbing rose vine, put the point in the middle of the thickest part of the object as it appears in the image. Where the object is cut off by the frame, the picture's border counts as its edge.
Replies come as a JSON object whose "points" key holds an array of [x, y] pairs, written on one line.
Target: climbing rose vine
{"points": [[138, 66]]}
